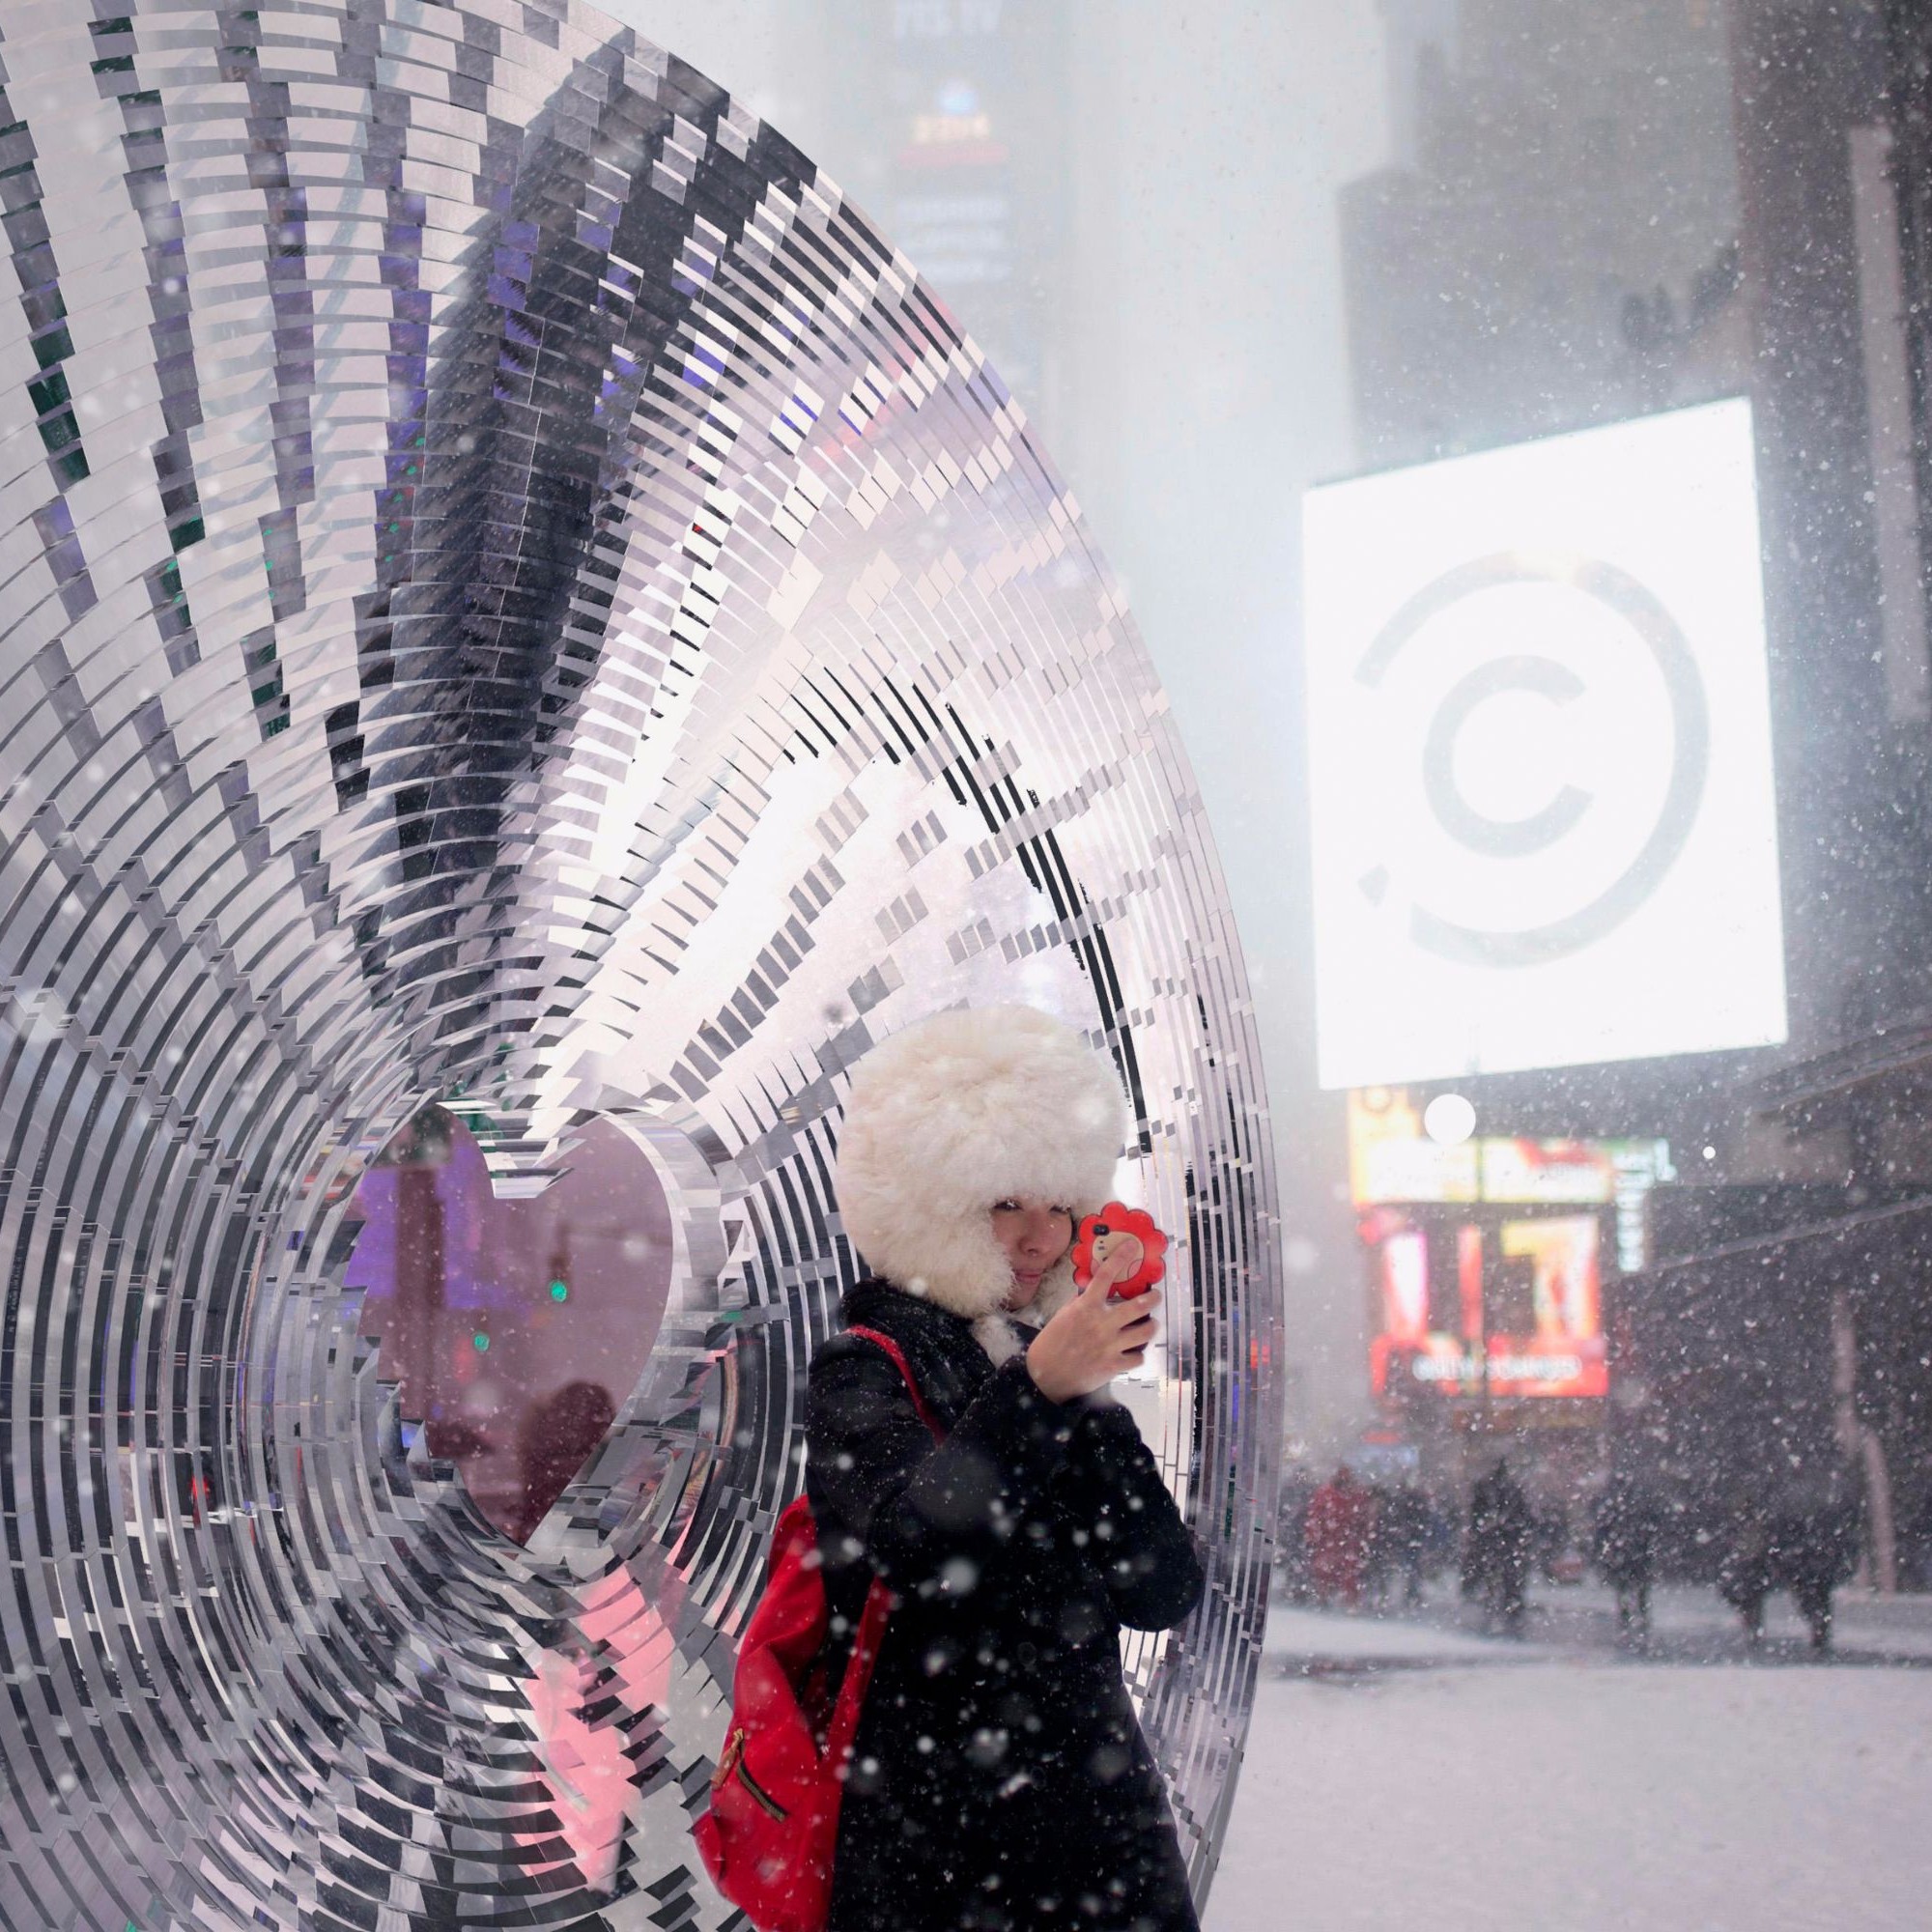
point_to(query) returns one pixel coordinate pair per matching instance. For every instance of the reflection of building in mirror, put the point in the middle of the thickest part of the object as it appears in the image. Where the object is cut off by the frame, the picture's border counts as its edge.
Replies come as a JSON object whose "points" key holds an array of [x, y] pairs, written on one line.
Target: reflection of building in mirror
{"points": [[513, 1329]]}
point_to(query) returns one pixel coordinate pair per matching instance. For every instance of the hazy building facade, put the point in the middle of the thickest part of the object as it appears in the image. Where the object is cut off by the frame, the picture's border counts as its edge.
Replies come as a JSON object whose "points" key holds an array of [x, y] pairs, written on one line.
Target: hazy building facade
{"points": [[964, 156], [1603, 211], [1558, 227], [1596, 212]]}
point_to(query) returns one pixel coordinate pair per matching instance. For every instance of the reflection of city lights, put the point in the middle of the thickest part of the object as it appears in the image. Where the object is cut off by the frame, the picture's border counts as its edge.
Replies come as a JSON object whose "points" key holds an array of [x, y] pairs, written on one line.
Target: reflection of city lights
{"points": [[1449, 1120]]}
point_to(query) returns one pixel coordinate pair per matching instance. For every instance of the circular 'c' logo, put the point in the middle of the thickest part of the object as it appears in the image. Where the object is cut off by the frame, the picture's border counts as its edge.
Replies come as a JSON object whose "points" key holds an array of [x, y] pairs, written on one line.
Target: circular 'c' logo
{"points": [[1496, 839]]}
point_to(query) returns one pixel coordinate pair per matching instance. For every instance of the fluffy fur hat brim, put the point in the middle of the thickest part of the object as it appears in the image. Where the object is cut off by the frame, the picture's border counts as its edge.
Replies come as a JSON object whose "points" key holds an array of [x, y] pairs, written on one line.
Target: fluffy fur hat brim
{"points": [[960, 1111]]}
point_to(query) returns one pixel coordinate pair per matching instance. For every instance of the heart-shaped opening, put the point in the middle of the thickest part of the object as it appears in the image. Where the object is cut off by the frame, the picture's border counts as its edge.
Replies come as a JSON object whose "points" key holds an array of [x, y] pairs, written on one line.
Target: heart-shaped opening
{"points": [[514, 1328]]}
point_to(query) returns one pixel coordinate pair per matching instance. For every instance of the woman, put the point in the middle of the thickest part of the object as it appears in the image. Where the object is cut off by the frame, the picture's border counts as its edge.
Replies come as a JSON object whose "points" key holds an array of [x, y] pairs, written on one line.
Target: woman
{"points": [[999, 1779]]}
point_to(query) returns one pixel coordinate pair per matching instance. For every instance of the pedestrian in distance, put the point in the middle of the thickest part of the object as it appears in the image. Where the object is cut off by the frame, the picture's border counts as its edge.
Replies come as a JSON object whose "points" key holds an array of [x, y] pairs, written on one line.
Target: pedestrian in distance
{"points": [[1814, 1535], [1405, 1525], [1743, 1569], [1626, 1527], [999, 1779], [1339, 1527], [1379, 1562], [1502, 1532], [1291, 1541]]}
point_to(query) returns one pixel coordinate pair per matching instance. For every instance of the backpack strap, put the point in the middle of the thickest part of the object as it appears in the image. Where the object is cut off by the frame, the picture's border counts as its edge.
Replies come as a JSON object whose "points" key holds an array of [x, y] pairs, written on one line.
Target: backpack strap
{"points": [[871, 1634], [899, 1362]]}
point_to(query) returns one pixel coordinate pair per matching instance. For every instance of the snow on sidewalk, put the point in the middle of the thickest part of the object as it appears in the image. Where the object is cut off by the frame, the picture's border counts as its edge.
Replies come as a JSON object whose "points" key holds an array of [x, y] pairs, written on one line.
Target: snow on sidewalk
{"points": [[1406, 1776]]}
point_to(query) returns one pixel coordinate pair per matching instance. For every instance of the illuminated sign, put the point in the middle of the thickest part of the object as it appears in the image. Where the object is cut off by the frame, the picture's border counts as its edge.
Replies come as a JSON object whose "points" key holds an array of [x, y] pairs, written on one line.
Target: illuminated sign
{"points": [[1574, 1172], [1527, 1313], [1392, 1162], [1540, 756], [1391, 1159]]}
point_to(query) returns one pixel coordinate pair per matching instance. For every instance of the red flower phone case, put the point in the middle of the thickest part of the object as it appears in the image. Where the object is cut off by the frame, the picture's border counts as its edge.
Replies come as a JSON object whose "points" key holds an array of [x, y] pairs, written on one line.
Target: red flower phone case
{"points": [[1097, 1231]]}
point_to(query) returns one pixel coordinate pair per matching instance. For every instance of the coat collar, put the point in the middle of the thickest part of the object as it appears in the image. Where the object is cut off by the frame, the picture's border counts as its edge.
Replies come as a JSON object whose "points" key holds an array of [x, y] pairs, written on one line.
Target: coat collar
{"points": [[951, 1353]]}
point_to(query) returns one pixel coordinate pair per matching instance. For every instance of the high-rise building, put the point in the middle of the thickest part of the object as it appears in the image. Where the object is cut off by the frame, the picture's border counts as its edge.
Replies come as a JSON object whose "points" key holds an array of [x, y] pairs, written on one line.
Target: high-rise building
{"points": [[1604, 207], [1555, 243], [1600, 210], [1836, 129], [1908, 91], [964, 159]]}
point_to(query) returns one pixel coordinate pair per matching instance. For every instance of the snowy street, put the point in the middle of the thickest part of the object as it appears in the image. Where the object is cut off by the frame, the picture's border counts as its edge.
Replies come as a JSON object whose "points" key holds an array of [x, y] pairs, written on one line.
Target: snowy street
{"points": [[1410, 1771]]}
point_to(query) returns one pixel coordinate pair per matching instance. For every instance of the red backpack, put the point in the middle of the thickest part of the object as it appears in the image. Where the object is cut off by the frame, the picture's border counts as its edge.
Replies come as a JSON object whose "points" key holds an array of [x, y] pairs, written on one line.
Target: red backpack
{"points": [[768, 1839]]}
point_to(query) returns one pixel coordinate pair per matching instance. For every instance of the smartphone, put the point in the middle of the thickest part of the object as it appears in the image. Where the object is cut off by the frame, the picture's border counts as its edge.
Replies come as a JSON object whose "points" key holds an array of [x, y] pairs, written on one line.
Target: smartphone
{"points": [[1098, 1236]]}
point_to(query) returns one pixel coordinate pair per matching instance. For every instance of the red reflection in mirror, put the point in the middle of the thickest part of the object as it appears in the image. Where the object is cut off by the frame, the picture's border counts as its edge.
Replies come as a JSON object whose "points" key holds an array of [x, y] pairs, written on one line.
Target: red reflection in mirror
{"points": [[513, 1327]]}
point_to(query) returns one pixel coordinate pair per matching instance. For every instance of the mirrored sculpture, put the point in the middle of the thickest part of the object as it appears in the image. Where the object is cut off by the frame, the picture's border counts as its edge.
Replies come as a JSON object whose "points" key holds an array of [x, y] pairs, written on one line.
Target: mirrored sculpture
{"points": [[517, 602]]}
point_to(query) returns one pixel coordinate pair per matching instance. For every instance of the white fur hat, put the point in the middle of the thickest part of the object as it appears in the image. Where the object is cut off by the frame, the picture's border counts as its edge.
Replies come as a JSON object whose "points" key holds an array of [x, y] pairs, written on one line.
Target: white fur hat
{"points": [[956, 1113]]}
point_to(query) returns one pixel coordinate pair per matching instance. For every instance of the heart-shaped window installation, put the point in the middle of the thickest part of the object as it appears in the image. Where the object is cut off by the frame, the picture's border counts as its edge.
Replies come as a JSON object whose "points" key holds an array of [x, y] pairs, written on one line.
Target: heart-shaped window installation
{"points": [[514, 1328]]}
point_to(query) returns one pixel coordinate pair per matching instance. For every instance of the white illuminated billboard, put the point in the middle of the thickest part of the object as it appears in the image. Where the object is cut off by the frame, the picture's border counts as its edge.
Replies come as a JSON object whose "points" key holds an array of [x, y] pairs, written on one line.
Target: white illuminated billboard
{"points": [[1540, 756]]}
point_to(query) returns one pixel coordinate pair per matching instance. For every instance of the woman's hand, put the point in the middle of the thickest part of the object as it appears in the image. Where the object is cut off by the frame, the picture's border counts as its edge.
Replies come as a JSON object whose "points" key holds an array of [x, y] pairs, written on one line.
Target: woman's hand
{"points": [[1092, 1339]]}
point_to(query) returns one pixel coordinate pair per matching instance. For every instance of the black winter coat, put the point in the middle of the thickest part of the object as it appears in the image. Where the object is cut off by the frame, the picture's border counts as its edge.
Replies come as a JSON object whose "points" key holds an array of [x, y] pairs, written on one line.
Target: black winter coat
{"points": [[1000, 1781]]}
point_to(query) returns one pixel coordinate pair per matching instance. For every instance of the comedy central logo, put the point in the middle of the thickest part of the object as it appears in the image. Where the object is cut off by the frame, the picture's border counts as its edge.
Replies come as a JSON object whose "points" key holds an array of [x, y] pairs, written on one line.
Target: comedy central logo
{"points": [[1557, 824]]}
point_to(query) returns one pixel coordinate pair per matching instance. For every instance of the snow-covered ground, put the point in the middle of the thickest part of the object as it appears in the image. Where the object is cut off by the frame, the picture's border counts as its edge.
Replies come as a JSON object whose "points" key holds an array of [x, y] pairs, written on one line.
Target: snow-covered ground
{"points": [[1414, 1774]]}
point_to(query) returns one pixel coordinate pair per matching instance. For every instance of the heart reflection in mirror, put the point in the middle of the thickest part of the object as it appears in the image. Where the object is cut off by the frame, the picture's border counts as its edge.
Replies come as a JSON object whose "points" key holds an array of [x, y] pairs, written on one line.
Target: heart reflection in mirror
{"points": [[514, 1328]]}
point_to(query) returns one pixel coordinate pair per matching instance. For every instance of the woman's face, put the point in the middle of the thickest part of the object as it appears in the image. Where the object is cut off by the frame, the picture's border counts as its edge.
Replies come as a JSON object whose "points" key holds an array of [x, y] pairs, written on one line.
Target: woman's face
{"points": [[1032, 1235]]}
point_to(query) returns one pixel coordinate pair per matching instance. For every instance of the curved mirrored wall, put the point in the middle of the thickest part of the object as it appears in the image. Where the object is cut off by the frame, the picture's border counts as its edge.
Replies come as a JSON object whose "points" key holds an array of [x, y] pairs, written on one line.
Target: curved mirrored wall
{"points": [[531, 640]]}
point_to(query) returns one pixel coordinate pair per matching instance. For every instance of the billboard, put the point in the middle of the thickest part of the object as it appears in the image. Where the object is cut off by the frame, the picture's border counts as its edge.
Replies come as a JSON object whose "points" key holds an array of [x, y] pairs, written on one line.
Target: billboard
{"points": [[1511, 1310], [1540, 758], [1392, 1159], [1393, 1162]]}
